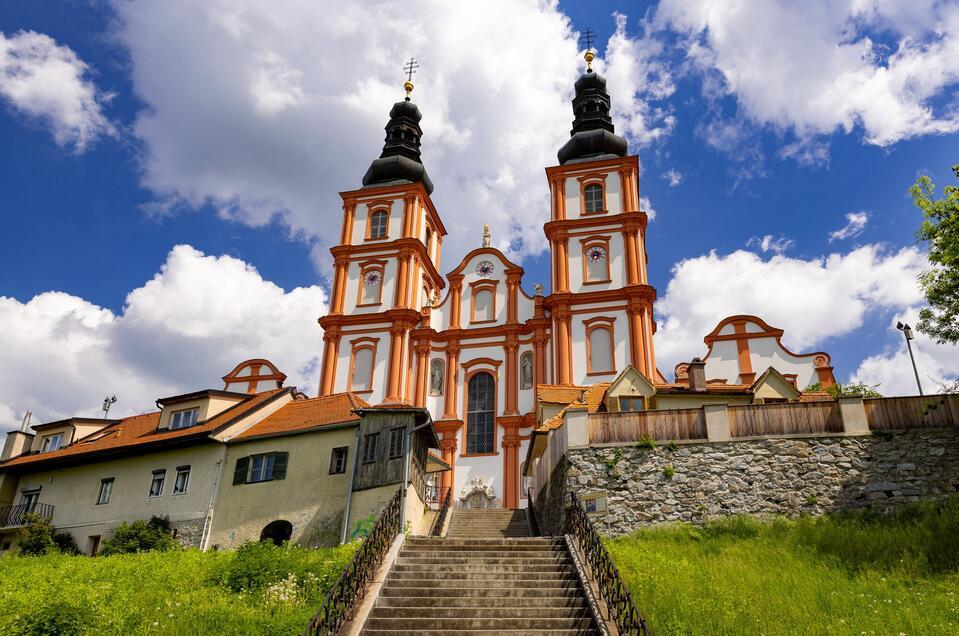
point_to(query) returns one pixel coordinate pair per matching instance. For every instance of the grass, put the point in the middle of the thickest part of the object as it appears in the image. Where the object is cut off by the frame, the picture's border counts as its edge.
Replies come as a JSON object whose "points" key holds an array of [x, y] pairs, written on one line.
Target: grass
{"points": [[849, 573], [177, 592]]}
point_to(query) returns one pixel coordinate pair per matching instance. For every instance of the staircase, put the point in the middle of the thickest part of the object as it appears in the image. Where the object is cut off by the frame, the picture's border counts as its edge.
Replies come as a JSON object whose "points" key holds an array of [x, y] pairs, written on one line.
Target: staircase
{"points": [[484, 580], [480, 523]]}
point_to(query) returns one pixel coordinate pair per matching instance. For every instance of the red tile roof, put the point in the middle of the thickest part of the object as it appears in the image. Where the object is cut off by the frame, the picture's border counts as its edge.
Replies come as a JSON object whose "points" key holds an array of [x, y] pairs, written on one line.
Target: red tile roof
{"points": [[590, 397], [306, 414], [140, 430]]}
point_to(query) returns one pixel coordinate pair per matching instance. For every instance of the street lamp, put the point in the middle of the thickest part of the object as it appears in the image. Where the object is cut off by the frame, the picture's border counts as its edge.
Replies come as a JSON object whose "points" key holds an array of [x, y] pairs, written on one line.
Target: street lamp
{"points": [[907, 332]]}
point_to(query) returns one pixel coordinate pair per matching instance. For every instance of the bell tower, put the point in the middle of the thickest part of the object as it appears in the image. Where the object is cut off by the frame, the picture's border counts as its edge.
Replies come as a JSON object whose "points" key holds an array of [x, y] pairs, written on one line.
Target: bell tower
{"points": [[385, 268], [601, 303]]}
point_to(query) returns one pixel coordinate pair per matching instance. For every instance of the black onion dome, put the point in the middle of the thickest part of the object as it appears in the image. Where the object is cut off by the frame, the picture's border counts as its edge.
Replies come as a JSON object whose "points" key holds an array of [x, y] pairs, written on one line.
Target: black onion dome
{"points": [[400, 160], [593, 135]]}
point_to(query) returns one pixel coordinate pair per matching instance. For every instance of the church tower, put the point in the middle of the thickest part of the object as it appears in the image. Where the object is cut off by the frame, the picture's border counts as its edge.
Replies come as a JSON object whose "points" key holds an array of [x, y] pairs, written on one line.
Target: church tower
{"points": [[385, 269], [601, 303]]}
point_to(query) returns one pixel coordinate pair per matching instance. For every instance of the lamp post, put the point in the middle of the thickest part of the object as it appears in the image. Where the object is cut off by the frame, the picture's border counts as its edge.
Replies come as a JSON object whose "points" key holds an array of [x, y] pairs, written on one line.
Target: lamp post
{"points": [[907, 332]]}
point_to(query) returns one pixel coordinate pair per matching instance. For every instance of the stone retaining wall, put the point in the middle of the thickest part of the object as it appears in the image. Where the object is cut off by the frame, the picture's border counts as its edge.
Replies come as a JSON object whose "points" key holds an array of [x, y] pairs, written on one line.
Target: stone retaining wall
{"points": [[769, 476]]}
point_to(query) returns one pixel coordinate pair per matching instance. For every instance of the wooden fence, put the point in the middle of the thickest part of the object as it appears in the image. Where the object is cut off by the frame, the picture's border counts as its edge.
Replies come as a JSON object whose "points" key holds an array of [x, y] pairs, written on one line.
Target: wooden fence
{"points": [[784, 419], [664, 425], [935, 411]]}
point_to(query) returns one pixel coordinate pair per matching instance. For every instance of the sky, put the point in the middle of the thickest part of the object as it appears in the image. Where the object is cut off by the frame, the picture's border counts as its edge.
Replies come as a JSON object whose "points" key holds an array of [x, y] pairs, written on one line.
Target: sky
{"points": [[169, 171]]}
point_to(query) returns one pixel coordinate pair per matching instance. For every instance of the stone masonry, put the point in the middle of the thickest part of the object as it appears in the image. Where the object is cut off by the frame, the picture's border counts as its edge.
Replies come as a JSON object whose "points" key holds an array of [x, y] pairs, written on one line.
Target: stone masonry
{"points": [[695, 482]]}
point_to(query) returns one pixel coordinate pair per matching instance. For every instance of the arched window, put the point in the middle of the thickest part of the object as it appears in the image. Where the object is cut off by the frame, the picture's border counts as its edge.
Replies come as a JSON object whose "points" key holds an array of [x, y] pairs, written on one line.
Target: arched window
{"points": [[484, 304], [593, 198], [526, 370], [437, 376], [279, 532], [480, 408], [379, 223], [371, 286], [596, 260], [361, 368], [599, 349]]}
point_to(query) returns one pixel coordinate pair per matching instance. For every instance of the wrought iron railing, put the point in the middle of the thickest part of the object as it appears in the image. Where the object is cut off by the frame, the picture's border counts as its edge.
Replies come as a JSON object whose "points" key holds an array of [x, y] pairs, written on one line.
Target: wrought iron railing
{"points": [[440, 519], [340, 602], [16, 515], [620, 604], [531, 514]]}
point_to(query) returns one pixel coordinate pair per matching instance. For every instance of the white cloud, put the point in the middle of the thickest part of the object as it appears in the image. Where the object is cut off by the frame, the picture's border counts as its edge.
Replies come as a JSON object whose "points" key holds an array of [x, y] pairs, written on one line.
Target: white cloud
{"points": [[49, 82], [817, 67], [673, 177], [812, 300], [647, 206], [180, 331], [855, 224], [892, 370], [770, 243], [266, 110]]}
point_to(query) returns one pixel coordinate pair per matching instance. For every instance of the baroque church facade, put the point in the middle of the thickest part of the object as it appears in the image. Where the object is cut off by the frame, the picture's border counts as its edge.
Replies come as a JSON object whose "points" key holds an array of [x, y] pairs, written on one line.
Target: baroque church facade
{"points": [[473, 346]]}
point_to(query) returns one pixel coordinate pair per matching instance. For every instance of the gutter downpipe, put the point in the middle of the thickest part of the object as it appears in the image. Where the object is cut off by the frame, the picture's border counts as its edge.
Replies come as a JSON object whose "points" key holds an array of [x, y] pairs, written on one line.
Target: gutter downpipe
{"points": [[208, 524], [349, 489]]}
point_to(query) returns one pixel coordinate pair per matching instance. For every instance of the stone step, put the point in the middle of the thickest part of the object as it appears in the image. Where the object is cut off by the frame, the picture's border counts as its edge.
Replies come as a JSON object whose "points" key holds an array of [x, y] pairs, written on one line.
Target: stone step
{"points": [[503, 560], [479, 592], [444, 542], [485, 623], [450, 602], [483, 575], [479, 632], [453, 554], [565, 583], [571, 611], [440, 567]]}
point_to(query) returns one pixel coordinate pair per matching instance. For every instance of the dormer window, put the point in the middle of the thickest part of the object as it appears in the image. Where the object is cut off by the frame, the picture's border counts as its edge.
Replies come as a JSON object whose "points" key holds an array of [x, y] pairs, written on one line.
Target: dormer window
{"points": [[379, 222], [184, 419], [51, 443], [593, 198]]}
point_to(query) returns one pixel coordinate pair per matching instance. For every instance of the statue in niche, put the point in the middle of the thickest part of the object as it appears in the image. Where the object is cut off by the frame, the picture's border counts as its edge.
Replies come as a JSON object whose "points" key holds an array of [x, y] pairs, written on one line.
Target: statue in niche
{"points": [[526, 371], [436, 377]]}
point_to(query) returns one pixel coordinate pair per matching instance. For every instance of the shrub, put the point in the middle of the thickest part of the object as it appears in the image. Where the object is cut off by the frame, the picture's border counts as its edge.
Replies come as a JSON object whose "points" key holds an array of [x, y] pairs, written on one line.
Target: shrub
{"points": [[56, 618], [669, 472], [36, 536], [672, 446], [139, 536], [646, 442], [65, 543]]}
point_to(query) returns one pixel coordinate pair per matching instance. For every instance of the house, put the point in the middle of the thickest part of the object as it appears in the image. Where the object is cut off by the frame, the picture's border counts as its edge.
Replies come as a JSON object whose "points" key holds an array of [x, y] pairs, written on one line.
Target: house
{"points": [[254, 460]]}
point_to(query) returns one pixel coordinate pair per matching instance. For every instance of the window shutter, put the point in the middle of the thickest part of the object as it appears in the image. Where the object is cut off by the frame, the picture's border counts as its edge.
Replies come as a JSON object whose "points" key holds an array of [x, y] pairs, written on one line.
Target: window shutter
{"points": [[279, 465], [239, 473]]}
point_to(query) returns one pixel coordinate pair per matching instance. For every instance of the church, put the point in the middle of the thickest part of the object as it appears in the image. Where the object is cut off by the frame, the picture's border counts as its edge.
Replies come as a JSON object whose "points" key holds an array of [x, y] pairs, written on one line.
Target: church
{"points": [[481, 353]]}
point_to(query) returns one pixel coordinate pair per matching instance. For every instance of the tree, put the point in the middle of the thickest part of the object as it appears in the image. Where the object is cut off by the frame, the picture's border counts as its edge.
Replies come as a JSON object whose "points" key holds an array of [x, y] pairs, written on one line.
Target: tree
{"points": [[940, 231], [853, 389], [139, 536]]}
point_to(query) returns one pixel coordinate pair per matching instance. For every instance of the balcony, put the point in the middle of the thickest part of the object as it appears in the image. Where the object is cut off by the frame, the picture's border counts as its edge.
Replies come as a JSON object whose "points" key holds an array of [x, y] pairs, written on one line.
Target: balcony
{"points": [[13, 516]]}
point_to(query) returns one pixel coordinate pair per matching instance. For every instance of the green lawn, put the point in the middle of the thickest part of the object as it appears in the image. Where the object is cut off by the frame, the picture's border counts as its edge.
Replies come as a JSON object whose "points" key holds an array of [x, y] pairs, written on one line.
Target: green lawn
{"points": [[840, 574], [178, 592]]}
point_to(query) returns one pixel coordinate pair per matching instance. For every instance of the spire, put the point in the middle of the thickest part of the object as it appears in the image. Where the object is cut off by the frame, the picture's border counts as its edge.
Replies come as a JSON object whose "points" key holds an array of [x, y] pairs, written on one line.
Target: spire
{"points": [[400, 160], [593, 135]]}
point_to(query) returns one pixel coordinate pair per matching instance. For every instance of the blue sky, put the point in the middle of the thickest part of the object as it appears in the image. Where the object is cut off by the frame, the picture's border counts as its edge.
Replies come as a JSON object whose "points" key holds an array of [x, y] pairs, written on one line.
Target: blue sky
{"points": [[776, 136]]}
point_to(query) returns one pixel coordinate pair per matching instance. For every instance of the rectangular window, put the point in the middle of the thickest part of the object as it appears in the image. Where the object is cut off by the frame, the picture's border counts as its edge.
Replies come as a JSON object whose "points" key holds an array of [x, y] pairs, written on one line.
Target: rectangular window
{"points": [[51, 443], [29, 498], [182, 480], [631, 404], [184, 419], [338, 460], [156, 485], [106, 489], [369, 448], [257, 468], [396, 442]]}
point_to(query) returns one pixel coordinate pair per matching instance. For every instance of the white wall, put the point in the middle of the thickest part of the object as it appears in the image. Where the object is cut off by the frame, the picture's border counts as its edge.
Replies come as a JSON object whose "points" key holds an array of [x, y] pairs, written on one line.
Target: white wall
{"points": [[380, 364], [620, 346]]}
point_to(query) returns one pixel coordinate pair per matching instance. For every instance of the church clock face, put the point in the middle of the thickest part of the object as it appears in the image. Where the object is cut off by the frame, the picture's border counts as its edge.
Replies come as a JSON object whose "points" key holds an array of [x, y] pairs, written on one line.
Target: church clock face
{"points": [[484, 269], [372, 278], [596, 254]]}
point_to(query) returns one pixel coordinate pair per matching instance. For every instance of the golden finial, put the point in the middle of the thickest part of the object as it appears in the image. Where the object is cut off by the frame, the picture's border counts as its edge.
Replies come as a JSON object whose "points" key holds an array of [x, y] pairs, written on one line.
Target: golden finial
{"points": [[410, 68], [589, 61], [588, 38]]}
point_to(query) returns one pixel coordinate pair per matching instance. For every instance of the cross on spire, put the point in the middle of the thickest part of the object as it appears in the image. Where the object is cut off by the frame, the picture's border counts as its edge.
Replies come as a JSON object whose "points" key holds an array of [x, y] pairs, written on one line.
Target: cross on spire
{"points": [[587, 37], [410, 68]]}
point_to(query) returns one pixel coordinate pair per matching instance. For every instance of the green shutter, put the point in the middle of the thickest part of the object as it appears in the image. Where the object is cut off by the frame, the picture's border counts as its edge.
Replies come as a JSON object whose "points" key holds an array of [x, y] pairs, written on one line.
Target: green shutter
{"points": [[279, 465], [239, 473]]}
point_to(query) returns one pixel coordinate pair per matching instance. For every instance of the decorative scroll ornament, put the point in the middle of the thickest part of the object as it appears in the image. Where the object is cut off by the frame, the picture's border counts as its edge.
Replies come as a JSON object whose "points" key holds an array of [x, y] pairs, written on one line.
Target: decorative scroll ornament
{"points": [[484, 269], [821, 361], [373, 277], [480, 485], [682, 370], [596, 254]]}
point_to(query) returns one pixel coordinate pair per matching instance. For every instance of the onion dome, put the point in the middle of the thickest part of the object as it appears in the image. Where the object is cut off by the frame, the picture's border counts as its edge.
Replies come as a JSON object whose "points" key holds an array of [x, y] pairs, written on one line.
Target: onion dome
{"points": [[593, 135], [400, 160]]}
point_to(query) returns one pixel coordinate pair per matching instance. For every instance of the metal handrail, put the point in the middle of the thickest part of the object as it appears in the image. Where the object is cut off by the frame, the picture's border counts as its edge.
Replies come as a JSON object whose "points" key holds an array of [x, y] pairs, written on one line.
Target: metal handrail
{"points": [[340, 602], [440, 519], [622, 610], [14, 515]]}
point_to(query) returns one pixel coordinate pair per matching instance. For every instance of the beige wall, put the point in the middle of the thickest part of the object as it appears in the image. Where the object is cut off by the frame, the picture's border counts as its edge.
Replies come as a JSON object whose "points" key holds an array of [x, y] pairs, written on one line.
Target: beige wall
{"points": [[73, 493], [311, 499]]}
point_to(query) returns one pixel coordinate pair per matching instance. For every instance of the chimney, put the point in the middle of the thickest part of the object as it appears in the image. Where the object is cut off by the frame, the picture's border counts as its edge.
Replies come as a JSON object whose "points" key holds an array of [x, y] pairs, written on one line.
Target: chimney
{"points": [[697, 375], [17, 443]]}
